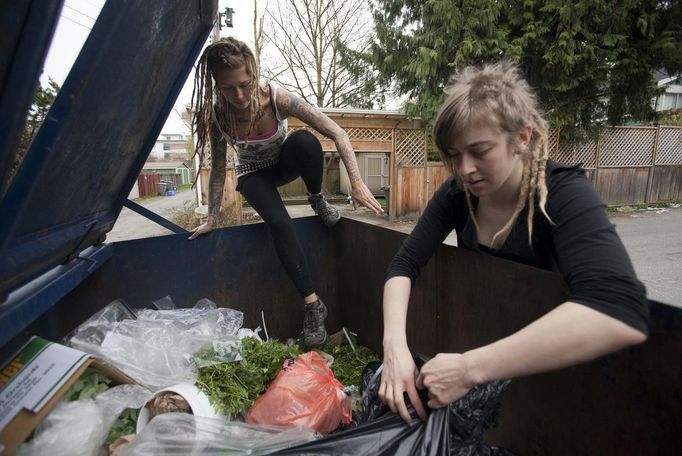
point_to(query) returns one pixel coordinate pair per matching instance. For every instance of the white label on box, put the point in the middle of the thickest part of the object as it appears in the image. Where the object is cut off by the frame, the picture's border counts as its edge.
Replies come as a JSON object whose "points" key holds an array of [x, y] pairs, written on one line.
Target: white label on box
{"points": [[39, 378]]}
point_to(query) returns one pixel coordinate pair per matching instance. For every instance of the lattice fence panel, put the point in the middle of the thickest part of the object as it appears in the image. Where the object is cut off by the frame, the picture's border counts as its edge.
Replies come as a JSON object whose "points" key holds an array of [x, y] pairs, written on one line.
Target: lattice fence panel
{"points": [[553, 143], [310, 129], [409, 145], [355, 133], [627, 147], [669, 146], [369, 134], [573, 154]]}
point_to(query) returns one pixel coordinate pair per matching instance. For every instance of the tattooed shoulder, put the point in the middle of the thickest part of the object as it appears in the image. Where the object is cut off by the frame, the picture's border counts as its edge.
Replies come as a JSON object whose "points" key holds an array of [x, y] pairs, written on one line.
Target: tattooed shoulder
{"points": [[291, 105]]}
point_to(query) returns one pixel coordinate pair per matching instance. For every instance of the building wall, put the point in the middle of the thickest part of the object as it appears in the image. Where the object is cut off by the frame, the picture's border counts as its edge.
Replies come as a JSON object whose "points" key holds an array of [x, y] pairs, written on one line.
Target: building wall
{"points": [[169, 146], [672, 98]]}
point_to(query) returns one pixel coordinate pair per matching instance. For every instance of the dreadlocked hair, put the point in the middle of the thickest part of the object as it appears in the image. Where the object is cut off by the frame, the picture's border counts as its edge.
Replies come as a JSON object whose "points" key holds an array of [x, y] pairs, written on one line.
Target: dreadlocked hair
{"points": [[208, 104], [497, 94]]}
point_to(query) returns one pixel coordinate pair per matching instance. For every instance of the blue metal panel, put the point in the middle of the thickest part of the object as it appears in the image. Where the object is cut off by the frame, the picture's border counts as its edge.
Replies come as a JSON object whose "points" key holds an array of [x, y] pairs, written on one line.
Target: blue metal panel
{"points": [[27, 27], [27, 303], [82, 164]]}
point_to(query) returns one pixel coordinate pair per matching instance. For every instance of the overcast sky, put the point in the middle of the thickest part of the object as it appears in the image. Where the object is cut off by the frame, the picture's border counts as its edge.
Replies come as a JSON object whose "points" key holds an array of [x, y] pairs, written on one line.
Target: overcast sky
{"points": [[77, 18]]}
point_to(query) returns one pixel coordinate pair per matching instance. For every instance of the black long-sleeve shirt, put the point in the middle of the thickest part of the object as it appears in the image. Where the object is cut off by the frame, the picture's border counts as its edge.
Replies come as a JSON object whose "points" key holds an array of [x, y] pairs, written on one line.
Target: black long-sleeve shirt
{"points": [[582, 244]]}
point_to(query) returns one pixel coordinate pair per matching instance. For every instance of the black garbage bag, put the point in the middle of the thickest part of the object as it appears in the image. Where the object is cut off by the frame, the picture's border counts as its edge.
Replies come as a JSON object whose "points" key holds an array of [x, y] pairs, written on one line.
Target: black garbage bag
{"points": [[453, 430]]}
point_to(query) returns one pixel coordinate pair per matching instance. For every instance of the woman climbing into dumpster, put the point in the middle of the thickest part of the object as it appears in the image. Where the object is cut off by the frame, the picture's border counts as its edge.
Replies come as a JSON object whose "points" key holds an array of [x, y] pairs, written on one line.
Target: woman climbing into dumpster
{"points": [[232, 107], [506, 199]]}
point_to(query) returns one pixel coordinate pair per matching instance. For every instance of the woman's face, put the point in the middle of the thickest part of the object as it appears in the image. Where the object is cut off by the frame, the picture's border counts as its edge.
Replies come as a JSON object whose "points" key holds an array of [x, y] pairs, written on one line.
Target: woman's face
{"points": [[235, 85], [486, 162]]}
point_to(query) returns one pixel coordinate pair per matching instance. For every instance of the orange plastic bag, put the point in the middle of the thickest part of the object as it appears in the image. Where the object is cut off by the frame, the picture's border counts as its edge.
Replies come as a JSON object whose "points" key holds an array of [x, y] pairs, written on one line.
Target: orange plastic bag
{"points": [[304, 393]]}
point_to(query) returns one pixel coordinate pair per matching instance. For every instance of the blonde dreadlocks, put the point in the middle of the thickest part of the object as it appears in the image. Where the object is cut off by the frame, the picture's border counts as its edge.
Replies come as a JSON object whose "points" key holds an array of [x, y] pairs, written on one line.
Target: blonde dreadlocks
{"points": [[208, 105], [497, 94]]}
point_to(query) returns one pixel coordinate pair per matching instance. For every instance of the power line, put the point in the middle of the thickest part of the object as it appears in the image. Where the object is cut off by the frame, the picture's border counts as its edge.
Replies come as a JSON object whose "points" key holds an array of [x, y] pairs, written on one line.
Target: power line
{"points": [[79, 12], [75, 22]]}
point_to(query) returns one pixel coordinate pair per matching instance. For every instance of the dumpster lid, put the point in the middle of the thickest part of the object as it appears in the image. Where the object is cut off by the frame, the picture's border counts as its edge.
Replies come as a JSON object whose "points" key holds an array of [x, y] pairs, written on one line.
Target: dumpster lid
{"points": [[84, 161]]}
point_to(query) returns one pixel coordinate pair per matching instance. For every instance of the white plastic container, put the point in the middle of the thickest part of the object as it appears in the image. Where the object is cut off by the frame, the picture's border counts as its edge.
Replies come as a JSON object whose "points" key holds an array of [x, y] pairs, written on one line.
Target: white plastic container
{"points": [[197, 400]]}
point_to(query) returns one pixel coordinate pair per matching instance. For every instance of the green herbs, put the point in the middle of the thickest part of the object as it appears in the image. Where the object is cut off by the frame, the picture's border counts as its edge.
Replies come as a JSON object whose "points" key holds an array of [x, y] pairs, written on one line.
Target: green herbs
{"points": [[234, 387], [348, 364], [125, 424], [88, 386]]}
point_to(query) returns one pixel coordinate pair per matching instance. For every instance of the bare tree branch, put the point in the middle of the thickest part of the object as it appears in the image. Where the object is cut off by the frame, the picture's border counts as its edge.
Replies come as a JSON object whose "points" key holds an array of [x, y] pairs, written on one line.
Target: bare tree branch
{"points": [[307, 36]]}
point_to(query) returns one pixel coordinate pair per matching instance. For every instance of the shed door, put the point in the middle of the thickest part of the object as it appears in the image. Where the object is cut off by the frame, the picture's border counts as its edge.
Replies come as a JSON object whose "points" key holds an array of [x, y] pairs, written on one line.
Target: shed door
{"points": [[376, 169]]}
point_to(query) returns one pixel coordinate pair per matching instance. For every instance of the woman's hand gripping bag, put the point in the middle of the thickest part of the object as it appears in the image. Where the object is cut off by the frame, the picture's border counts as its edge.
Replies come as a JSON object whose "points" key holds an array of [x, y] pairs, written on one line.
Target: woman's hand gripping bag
{"points": [[306, 393]]}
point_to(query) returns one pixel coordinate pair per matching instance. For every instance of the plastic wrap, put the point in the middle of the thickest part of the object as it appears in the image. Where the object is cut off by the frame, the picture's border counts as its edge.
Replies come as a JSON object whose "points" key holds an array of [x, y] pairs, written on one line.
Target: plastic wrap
{"points": [[163, 347], [180, 433], [92, 332], [79, 428]]}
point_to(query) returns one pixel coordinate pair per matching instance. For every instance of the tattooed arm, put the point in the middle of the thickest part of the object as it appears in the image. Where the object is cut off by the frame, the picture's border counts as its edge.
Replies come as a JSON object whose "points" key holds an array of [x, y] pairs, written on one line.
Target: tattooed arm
{"points": [[289, 105], [216, 182]]}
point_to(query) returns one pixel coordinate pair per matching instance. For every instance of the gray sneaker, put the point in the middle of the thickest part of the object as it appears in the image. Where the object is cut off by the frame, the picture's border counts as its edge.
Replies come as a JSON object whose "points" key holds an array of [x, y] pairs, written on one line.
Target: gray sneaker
{"points": [[314, 333], [328, 213]]}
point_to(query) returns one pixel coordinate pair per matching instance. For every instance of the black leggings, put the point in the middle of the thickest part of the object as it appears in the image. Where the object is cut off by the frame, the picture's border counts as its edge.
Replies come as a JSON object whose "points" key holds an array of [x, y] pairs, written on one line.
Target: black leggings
{"points": [[302, 156]]}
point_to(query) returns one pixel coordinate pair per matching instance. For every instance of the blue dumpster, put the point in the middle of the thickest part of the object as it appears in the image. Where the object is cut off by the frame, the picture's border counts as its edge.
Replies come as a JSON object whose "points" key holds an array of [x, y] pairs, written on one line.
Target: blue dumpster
{"points": [[57, 269]]}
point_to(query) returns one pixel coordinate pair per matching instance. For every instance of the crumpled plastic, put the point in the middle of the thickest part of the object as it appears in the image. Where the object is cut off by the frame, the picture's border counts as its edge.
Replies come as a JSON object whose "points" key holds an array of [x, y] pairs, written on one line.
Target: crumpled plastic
{"points": [[455, 430], [79, 428], [180, 433], [306, 393], [159, 348]]}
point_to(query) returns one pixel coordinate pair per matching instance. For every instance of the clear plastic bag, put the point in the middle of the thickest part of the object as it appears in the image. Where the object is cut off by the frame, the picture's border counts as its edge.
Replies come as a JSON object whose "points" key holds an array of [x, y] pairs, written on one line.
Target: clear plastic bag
{"points": [[158, 348], [92, 332], [181, 433], [79, 428]]}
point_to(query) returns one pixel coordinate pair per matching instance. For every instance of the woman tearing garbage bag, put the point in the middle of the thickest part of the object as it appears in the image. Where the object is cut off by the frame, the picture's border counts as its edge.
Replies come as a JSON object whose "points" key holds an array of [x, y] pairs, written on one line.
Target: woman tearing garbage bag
{"points": [[506, 199]]}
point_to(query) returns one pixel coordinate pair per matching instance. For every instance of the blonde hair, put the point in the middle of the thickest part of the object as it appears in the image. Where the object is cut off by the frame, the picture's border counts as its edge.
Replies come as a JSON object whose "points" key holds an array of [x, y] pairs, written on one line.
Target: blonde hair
{"points": [[207, 102], [497, 94]]}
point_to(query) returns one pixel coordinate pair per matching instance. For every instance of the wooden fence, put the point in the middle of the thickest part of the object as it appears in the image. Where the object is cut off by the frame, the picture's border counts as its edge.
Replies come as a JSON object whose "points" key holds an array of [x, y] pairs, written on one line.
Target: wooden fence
{"points": [[147, 183], [630, 165], [627, 165]]}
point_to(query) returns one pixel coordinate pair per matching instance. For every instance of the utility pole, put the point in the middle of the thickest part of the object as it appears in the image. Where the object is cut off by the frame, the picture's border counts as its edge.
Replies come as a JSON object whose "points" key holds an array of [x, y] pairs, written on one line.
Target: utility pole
{"points": [[227, 17]]}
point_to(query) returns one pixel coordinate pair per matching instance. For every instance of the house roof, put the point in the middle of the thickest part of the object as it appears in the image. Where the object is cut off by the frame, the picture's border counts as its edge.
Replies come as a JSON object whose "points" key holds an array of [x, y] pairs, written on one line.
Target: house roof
{"points": [[663, 78]]}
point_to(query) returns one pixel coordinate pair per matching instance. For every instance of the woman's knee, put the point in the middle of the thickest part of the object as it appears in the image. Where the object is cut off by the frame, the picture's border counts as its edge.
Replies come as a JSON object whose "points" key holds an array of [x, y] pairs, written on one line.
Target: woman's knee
{"points": [[305, 140], [280, 223]]}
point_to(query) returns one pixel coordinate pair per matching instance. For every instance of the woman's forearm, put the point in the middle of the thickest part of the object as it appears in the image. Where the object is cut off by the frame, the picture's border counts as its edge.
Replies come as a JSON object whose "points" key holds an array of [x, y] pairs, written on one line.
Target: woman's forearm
{"points": [[395, 304], [347, 154], [568, 335], [216, 180]]}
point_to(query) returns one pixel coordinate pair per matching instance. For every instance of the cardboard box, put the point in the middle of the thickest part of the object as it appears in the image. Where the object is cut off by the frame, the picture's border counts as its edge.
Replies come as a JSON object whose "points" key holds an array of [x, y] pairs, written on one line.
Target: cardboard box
{"points": [[34, 380]]}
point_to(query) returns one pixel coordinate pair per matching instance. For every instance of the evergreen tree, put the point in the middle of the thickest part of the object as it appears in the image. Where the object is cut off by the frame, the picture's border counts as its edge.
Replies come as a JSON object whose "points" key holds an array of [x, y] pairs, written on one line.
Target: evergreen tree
{"points": [[419, 44], [590, 61], [42, 101]]}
